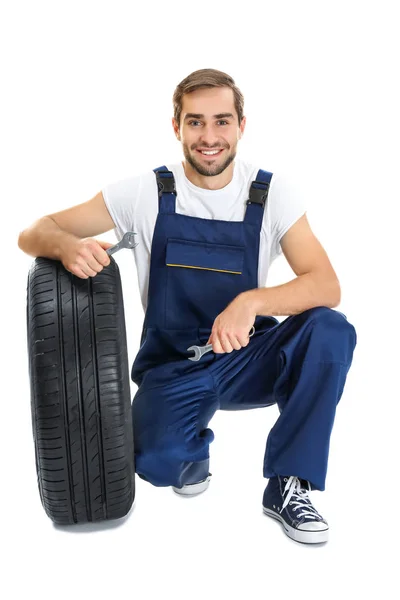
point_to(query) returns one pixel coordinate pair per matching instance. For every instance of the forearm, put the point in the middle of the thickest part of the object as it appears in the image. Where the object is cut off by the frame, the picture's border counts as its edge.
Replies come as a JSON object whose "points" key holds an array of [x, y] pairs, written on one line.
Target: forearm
{"points": [[44, 238], [304, 292]]}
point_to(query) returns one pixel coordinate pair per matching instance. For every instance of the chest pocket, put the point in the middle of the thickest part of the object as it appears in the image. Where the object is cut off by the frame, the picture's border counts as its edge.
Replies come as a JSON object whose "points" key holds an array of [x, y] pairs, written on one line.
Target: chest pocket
{"points": [[202, 255], [202, 279]]}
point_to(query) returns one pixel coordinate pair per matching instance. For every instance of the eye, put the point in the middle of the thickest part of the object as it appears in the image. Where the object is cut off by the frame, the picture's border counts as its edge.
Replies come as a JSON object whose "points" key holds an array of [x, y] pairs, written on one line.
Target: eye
{"points": [[220, 121]]}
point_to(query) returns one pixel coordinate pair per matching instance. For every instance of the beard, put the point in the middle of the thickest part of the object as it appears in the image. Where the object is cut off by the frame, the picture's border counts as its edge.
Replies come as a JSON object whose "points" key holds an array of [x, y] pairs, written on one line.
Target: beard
{"points": [[212, 169]]}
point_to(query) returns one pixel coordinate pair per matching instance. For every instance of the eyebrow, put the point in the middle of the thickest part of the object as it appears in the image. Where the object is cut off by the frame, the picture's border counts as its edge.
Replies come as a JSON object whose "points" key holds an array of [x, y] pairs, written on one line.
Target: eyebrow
{"points": [[199, 116]]}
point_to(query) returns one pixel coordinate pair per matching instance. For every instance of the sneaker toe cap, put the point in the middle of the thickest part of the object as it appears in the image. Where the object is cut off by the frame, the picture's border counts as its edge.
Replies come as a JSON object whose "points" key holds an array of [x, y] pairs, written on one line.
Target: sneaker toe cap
{"points": [[313, 526]]}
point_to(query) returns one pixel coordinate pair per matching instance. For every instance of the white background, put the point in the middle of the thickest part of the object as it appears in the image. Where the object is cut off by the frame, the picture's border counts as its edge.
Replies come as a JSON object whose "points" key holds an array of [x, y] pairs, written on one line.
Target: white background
{"points": [[86, 100]]}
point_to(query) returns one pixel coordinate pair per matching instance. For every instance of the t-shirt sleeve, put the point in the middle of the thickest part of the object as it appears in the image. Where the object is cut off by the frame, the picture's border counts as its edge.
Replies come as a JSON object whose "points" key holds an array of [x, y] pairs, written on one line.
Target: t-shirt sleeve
{"points": [[286, 204], [120, 198]]}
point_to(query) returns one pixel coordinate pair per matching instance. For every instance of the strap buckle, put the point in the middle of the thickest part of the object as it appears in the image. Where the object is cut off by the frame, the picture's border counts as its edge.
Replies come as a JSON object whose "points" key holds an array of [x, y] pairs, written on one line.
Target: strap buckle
{"points": [[258, 195], [166, 185]]}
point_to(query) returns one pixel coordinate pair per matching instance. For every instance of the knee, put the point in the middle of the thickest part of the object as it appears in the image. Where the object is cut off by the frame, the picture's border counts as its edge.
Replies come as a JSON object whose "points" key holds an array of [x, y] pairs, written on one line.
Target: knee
{"points": [[335, 334], [169, 444], [157, 457], [332, 320], [163, 458]]}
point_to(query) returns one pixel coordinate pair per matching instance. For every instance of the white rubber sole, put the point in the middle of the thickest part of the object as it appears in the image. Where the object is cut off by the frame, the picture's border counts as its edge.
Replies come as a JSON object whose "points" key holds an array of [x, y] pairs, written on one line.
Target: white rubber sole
{"points": [[193, 489], [299, 535]]}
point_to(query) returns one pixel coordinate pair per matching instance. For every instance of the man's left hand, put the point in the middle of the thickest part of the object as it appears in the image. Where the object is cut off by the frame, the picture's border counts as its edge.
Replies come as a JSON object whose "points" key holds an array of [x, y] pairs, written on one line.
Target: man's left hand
{"points": [[231, 328]]}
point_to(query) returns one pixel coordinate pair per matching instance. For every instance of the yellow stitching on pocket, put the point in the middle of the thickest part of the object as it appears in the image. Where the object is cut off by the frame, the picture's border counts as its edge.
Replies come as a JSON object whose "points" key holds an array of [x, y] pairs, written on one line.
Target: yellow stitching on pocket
{"points": [[205, 269]]}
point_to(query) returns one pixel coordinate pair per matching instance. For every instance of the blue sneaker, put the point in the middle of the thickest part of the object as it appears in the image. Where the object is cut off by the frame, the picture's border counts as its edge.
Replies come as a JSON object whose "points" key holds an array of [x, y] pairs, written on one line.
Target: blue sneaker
{"points": [[286, 500]]}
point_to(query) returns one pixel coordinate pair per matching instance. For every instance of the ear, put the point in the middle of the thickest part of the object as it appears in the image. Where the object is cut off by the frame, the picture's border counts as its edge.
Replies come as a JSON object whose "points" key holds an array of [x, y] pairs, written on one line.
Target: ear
{"points": [[242, 126], [176, 128]]}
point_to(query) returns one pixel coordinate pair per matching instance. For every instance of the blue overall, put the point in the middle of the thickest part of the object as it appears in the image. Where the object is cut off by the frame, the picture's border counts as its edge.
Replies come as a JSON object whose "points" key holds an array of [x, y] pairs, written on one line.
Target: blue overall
{"points": [[198, 266]]}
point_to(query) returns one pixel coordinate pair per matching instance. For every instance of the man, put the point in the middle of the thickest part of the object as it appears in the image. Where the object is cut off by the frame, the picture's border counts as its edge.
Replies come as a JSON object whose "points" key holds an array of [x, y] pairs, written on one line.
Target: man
{"points": [[208, 228]]}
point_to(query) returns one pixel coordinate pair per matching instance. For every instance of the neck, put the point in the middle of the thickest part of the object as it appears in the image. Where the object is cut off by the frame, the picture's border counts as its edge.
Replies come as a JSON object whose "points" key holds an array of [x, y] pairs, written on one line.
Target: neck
{"points": [[215, 182]]}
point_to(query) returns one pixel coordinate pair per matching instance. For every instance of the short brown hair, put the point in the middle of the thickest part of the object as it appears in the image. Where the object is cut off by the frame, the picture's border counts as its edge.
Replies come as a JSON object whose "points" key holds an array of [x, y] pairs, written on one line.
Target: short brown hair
{"points": [[206, 78]]}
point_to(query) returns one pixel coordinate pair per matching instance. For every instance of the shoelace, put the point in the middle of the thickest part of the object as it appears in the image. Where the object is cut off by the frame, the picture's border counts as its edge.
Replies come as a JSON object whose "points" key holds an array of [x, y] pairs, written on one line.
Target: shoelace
{"points": [[298, 495]]}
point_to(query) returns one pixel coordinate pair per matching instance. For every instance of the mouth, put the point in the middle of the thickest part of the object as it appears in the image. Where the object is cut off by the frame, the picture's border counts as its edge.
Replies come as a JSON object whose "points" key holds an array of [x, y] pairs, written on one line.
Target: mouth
{"points": [[210, 154]]}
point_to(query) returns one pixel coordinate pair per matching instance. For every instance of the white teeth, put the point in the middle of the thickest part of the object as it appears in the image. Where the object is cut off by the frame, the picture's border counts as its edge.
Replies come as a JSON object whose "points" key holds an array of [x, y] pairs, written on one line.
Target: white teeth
{"points": [[210, 153]]}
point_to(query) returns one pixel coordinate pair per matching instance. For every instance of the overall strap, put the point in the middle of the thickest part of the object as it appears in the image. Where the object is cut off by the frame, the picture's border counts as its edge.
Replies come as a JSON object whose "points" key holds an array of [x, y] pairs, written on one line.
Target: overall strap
{"points": [[166, 190], [257, 199]]}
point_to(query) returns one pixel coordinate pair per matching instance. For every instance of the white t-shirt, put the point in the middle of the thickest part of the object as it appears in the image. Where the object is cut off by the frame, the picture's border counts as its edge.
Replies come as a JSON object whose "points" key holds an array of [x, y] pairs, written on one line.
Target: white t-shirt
{"points": [[133, 206]]}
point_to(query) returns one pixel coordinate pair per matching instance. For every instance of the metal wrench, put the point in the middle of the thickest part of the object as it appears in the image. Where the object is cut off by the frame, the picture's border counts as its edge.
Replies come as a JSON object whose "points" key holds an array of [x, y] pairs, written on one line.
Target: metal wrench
{"points": [[200, 350], [126, 242]]}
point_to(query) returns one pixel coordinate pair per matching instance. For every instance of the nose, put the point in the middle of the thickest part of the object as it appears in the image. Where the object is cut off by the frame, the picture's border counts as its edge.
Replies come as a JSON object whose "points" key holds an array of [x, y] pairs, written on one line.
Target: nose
{"points": [[209, 136]]}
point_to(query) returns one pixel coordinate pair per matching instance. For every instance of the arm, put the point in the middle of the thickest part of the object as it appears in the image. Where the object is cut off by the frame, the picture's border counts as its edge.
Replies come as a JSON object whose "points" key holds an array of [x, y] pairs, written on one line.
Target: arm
{"points": [[316, 283], [47, 236]]}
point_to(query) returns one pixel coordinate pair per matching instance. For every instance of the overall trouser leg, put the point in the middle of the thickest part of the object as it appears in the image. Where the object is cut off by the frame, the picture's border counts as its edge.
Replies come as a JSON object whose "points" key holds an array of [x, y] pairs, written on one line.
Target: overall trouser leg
{"points": [[170, 430], [301, 365]]}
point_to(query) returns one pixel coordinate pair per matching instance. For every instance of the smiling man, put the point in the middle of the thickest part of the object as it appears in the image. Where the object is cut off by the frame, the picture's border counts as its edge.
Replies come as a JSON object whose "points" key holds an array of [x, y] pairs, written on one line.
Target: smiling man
{"points": [[208, 228]]}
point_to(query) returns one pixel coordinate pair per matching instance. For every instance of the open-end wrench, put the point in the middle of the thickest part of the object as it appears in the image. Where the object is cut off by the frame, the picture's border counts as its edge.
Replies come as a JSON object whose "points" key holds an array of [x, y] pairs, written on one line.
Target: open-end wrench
{"points": [[200, 350], [128, 241]]}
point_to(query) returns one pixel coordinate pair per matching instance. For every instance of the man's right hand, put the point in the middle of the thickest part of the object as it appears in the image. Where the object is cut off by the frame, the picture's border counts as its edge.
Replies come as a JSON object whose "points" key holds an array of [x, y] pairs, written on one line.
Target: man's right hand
{"points": [[85, 257]]}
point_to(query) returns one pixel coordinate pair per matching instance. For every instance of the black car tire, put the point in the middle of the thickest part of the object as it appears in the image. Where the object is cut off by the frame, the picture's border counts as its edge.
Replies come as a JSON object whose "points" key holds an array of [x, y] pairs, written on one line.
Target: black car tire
{"points": [[80, 393]]}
